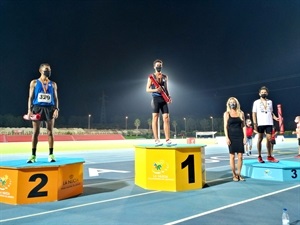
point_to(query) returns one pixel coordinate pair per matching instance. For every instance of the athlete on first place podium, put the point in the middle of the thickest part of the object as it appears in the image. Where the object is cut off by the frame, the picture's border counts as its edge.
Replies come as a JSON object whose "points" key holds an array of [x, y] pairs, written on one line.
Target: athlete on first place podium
{"points": [[157, 85]]}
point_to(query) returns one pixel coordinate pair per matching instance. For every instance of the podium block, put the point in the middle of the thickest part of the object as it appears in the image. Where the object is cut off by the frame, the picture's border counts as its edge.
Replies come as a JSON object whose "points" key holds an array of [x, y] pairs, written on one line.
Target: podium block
{"points": [[284, 170], [175, 168], [25, 183]]}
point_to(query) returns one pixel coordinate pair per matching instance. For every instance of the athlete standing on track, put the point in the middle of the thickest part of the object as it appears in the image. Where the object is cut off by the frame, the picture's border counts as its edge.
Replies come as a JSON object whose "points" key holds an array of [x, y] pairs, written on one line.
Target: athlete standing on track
{"points": [[158, 103], [44, 101]]}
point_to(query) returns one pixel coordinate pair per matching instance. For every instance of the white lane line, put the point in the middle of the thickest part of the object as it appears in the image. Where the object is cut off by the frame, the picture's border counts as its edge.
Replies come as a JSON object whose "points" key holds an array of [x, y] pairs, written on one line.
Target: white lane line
{"points": [[78, 206], [229, 206]]}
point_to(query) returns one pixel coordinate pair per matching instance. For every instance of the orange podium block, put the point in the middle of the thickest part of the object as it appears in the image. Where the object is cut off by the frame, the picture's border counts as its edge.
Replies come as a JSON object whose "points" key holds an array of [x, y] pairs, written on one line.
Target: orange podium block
{"points": [[24, 183]]}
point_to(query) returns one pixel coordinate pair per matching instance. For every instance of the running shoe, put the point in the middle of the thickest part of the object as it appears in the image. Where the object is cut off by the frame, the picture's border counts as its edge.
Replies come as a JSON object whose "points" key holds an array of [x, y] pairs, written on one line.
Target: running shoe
{"points": [[259, 158], [51, 158], [249, 152], [272, 159], [32, 159], [158, 143], [170, 143]]}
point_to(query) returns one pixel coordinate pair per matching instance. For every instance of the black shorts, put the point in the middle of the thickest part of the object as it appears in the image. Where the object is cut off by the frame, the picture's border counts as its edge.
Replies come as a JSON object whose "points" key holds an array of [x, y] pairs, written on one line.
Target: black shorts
{"points": [[273, 142], [159, 104], [265, 129], [299, 141], [46, 112]]}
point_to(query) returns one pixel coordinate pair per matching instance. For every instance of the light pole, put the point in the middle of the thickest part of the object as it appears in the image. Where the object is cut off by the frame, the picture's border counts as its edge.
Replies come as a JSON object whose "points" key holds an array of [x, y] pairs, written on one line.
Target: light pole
{"points": [[212, 126], [89, 121], [126, 118], [185, 125], [212, 123]]}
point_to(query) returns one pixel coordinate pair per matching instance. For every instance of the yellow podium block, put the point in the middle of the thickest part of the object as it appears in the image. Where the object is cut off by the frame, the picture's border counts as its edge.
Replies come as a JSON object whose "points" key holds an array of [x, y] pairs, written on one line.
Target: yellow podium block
{"points": [[23, 183], [174, 168]]}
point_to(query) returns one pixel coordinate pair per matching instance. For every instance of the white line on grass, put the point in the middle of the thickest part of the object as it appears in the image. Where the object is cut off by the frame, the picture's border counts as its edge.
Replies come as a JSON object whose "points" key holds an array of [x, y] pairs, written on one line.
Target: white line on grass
{"points": [[229, 206]]}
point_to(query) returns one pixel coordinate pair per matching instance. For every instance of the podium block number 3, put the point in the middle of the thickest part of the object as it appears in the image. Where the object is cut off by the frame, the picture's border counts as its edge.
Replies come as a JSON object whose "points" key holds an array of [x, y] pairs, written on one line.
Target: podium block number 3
{"points": [[190, 163], [35, 192]]}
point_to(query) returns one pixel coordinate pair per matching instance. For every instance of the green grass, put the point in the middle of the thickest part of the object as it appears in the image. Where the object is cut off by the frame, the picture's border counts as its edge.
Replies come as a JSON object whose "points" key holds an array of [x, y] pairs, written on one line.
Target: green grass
{"points": [[61, 146]]}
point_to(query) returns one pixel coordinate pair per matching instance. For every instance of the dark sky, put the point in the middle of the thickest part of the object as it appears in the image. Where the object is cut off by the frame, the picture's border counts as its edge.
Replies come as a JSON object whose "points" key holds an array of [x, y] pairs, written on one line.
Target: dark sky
{"points": [[212, 50]]}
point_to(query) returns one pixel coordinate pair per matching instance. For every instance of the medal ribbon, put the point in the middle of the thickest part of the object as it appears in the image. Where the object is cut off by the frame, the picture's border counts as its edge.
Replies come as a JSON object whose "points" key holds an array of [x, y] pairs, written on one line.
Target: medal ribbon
{"points": [[45, 85]]}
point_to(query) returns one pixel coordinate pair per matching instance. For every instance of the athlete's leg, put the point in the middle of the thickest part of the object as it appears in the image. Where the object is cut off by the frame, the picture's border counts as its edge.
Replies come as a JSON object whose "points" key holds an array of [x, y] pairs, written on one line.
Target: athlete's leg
{"points": [[166, 120], [155, 125], [35, 134], [50, 126], [268, 144], [259, 140]]}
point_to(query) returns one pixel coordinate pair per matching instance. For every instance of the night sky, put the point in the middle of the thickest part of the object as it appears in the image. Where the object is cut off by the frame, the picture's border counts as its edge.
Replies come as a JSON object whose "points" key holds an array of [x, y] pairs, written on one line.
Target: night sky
{"points": [[212, 50]]}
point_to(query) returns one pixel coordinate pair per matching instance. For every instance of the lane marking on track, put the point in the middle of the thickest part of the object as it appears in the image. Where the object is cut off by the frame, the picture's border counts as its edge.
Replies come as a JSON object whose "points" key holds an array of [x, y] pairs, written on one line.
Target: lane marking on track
{"points": [[231, 205], [95, 172], [78, 206]]}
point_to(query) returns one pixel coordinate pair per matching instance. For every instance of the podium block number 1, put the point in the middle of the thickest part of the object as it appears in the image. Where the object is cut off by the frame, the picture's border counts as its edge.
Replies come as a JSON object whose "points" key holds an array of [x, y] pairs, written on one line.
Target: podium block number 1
{"points": [[190, 163]]}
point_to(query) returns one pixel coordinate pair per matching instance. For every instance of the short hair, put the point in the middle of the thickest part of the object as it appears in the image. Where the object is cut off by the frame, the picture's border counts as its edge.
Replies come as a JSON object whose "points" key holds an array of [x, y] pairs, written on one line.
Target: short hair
{"points": [[157, 61], [264, 88], [44, 64]]}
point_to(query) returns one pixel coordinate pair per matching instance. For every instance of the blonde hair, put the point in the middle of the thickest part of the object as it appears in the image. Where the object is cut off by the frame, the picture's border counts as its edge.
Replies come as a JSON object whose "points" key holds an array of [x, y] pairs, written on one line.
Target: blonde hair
{"points": [[238, 107]]}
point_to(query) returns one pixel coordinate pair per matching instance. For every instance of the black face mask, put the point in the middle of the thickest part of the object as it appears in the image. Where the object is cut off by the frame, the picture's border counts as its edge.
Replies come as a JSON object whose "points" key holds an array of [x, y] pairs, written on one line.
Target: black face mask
{"points": [[263, 95], [232, 106], [158, 69], [47, 73]]}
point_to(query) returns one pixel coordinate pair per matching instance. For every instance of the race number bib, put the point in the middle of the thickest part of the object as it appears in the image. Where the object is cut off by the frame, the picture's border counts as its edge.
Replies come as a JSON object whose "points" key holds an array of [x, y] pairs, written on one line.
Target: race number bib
{"points": [[44, 97]]}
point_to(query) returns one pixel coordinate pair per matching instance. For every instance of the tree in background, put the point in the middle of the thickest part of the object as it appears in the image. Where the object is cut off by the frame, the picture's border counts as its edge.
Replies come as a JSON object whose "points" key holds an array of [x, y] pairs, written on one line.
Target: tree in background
{"points": [[137, 123], [174, 124], [149, 121]]}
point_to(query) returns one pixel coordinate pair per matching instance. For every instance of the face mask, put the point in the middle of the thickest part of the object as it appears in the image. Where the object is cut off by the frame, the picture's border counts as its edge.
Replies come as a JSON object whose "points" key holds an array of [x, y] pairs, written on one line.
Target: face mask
{"points": [[263, 95], [158, 69], [232, 105], [47, 73]]}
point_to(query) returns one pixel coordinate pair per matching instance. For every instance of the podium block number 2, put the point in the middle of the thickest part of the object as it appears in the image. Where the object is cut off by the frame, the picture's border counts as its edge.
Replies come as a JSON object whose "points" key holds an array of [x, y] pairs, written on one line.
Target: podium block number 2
{"points": [[35, 192], [190, 163]]}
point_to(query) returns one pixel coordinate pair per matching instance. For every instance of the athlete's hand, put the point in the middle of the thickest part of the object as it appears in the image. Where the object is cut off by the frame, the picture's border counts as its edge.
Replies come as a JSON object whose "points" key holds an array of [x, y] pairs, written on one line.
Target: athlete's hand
{"points": [[29, 113], [255, 128], [55, 114], [158, 89]]}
